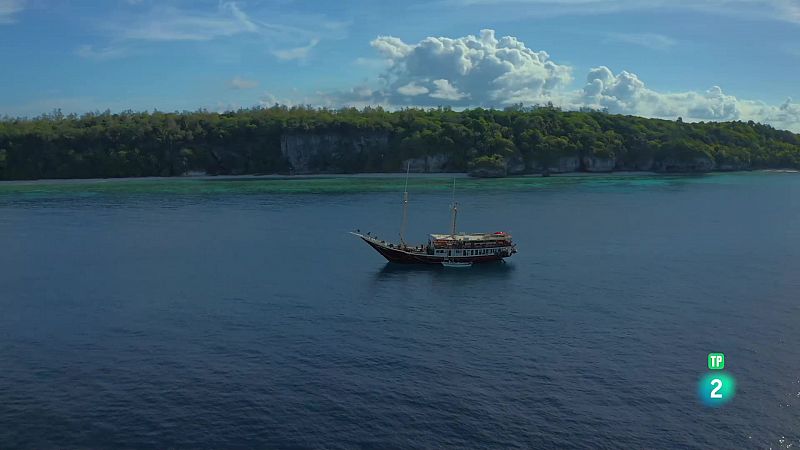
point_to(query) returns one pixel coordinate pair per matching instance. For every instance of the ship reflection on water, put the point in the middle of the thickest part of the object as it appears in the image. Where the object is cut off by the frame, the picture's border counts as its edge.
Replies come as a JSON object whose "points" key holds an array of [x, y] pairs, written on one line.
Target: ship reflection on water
{"points": [[490, 269]]}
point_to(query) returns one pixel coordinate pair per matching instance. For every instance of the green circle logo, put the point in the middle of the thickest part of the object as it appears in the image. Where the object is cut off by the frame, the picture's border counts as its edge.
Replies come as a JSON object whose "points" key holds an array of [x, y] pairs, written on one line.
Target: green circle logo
{"points": [[716, 388]]}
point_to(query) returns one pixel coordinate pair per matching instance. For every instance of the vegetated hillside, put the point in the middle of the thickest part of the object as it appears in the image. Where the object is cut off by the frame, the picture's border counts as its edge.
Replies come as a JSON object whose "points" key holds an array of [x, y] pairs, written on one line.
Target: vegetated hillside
{"points": [[297, 140]]}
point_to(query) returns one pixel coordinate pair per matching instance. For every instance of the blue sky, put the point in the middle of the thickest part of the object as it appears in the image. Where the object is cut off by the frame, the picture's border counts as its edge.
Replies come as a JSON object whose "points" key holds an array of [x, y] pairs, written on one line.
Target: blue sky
{"points": [[700, 59]]}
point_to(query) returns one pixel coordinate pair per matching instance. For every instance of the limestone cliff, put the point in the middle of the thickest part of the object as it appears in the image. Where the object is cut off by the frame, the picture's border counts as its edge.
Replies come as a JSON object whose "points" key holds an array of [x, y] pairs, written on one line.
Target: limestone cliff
{"points": [[371, 152], [334, 152], [699, 164], [435, 163], [564, 164], [597, 164]]}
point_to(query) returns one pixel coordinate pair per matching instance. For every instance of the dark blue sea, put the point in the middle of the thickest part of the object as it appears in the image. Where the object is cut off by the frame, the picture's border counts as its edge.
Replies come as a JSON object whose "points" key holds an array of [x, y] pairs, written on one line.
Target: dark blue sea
{"points": [[239, 313]]}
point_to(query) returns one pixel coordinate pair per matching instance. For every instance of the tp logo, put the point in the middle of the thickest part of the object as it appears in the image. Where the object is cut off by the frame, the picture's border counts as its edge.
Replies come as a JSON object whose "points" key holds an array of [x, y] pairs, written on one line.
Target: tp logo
{"points": [[716, 388], [716, 361]]}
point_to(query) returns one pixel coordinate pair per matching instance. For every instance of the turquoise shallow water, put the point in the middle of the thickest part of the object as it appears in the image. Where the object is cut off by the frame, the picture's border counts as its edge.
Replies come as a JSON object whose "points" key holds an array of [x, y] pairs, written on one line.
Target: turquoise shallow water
{"points": [[238, 313], [360, 183]]}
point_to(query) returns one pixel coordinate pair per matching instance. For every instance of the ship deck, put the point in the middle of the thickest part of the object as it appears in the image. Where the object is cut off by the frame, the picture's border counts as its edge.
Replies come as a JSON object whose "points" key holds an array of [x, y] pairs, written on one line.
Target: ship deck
{"points": [[418, 254]]}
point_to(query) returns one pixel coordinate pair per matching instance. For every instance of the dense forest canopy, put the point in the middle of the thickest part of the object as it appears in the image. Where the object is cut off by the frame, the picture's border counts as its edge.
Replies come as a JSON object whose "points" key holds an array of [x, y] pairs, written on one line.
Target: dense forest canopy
{"points": [[273, 140]]}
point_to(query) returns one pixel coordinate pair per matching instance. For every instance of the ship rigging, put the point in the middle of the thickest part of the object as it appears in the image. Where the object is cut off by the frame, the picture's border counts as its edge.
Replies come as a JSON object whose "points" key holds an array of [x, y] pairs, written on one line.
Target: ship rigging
{"points": [[450, 250]]}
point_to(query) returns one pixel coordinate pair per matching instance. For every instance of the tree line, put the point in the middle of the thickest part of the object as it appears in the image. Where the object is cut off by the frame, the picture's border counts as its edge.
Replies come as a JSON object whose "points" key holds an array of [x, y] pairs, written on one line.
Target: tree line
{"points": [[249, 141]]}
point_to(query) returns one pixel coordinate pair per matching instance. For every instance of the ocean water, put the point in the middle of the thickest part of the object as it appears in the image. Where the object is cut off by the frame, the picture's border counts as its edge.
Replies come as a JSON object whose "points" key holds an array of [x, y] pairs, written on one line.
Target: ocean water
{"points": [[238, 313]]}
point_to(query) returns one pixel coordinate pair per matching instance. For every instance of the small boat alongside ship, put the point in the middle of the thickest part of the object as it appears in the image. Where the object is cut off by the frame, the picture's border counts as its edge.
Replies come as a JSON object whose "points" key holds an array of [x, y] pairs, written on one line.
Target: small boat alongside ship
{"points": [[456, 250], [456, 265]]}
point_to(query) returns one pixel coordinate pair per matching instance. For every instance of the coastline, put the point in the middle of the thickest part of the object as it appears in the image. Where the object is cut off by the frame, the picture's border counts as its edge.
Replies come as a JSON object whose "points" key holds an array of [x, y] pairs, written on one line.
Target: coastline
{"points": [[371, 175]]}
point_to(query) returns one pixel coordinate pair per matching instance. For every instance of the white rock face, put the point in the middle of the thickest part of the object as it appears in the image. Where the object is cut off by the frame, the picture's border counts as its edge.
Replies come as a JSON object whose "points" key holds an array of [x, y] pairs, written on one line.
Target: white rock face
{"points": [[428, 164], [645, 164], [700, 164], [566, 164], [362, 151], [315, 153], [595, 164], [515, 165]]}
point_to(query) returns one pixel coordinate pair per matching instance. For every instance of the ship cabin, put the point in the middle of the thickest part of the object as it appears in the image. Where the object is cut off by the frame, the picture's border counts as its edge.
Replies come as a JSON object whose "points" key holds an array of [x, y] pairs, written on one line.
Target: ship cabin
{"points": [[468, 245]]}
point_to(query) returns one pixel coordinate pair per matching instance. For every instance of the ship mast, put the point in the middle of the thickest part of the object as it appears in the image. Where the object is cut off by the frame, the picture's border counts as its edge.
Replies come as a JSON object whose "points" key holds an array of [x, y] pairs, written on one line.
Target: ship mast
{"points": [[454, 209], [405, 209]]}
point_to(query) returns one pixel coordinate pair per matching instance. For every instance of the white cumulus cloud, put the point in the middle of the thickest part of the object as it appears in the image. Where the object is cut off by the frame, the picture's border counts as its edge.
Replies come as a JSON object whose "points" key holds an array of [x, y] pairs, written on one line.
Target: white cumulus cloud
{"points": [[470, 70], [412, 89], [486, 71], [625, 93], [785, 116], [446, 91]]}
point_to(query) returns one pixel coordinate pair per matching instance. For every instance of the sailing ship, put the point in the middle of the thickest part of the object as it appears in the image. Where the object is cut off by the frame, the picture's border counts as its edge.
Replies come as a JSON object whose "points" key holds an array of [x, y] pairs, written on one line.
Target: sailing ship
{"points": [[450, 249]]}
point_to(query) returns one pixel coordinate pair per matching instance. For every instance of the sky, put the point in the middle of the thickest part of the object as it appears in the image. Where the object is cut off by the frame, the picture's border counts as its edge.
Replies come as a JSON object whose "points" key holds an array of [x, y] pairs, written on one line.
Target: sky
{"points": [[701, 60]]}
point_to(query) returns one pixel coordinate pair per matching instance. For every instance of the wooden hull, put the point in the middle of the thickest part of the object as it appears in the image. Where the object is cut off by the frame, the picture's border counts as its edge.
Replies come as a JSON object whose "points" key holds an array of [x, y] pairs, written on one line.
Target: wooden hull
{"points": [[407, 256]]}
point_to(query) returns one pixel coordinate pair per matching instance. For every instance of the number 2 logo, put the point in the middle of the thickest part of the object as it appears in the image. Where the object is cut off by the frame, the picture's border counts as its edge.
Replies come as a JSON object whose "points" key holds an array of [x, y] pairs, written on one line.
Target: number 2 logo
{"points": [[714, 392], [716, 388]]}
